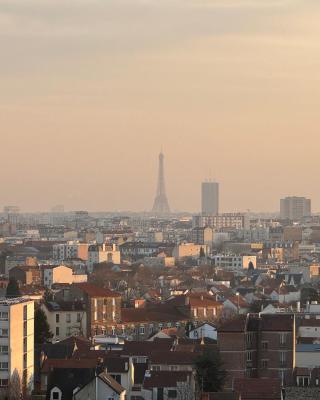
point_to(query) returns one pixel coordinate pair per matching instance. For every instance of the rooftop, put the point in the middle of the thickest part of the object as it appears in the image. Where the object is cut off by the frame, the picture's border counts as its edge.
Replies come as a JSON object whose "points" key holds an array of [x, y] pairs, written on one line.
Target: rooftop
{"points": [[13, 301]]}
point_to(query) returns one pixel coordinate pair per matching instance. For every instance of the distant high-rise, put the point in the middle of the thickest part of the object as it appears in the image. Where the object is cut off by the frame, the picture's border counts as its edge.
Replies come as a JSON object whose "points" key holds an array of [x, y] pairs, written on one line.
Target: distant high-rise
{"points": [[161, 204], [295, 207], [210, 198]]}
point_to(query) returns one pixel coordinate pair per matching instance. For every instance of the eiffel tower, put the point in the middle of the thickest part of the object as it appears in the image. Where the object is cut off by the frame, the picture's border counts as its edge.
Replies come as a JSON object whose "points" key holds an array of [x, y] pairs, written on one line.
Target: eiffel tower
{"points": [[161, 205]]}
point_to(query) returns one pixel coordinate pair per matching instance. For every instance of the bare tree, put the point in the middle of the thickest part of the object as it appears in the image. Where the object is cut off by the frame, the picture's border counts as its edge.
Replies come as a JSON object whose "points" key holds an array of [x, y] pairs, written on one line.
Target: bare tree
{"points": [[15, 386]]}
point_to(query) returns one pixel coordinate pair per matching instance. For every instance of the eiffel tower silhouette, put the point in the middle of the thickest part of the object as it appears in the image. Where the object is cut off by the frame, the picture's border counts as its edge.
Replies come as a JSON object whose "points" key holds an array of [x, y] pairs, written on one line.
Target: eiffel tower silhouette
{"points": [[161, 204]]}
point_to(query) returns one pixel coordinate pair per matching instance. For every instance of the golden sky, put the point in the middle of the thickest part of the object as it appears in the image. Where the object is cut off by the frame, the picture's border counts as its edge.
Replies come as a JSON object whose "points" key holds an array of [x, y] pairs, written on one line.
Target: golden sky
{"points": [[90, 90]]}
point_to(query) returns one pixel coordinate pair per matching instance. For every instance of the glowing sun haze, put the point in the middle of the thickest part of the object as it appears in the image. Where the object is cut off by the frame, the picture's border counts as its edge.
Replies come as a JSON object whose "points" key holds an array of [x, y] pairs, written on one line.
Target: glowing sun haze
{"points": [[91, 90]]}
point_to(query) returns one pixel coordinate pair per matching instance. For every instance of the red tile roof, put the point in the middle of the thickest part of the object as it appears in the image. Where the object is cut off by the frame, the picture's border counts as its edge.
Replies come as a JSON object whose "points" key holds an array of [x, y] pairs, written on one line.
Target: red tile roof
{"points": [[143, 315], [96, 291], [280, 323], [138, 348], [233, 325], [165, 379], [242, 301], [173, 357], [69, 363], [258, 389], [112, 383]]}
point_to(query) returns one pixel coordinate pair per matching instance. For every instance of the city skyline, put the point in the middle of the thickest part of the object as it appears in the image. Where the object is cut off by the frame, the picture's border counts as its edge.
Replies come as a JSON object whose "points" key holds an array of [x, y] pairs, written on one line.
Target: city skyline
{"points": [[226, 86]]}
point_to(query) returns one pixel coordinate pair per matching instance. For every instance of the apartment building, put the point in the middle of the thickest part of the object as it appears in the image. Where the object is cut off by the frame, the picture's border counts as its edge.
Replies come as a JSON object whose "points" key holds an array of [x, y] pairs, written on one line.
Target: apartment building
{"points": [[258, 346], [66, 319], [189, 250], [281, 251], [202, 235], [70, 250], [102, 253], [210, 198], [60, 274], [294, 207], [226, 220], [234, 262], [103, 306], [16, 342]]}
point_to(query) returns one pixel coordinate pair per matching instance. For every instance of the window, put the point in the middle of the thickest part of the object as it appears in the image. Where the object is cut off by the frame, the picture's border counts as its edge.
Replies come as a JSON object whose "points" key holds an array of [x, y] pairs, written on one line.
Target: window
{"points": [[282, 338], [113, 330], [264, 364], [141, 330], [68, 318], [57, 318], [116, 377], [4, 366], [172, 394], [57, 331], [4, 349], [55, 395], [113, 315], [4, 382], [249, 337], [25, 312], [156, 368], [151, 328], [303, 381], [160, 326], [195, 312], [25, 345], [78, 317], [113, 301], [4, 332], [4, 316], [282, 358], [249, 356], [264, 345]]}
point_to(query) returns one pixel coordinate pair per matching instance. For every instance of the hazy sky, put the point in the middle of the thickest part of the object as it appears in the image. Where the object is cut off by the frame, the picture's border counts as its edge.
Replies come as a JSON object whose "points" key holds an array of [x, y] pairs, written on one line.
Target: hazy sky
{"points": [[90, 90]]}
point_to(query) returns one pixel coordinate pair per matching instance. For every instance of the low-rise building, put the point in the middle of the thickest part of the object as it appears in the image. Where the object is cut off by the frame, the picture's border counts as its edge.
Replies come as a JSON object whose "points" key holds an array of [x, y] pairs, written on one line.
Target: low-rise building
{"points": [[70, 250], [235, 262], [53, 274], [102, 386], [102, 253], [66, 319], [26, 275], [189, 250], [103, 306]]}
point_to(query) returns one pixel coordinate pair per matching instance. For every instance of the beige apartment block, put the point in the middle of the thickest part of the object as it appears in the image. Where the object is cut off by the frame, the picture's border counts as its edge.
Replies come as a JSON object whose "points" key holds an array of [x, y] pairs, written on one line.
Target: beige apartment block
{"points": [[16, 343]]}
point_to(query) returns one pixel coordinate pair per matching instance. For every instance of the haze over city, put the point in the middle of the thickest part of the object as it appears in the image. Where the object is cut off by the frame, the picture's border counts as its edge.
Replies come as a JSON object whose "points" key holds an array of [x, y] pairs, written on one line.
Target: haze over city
{"points": [[91, 91]]}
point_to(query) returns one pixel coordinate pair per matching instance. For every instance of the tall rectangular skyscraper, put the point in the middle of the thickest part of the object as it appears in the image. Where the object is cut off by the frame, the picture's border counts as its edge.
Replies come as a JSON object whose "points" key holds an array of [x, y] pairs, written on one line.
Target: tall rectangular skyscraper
{"points": [[295, 207], [210, 198]]}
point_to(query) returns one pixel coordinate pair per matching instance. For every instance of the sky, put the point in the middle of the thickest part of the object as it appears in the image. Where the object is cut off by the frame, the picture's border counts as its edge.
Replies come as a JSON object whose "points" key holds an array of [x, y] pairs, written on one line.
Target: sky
{"points": [[91, 90]]}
